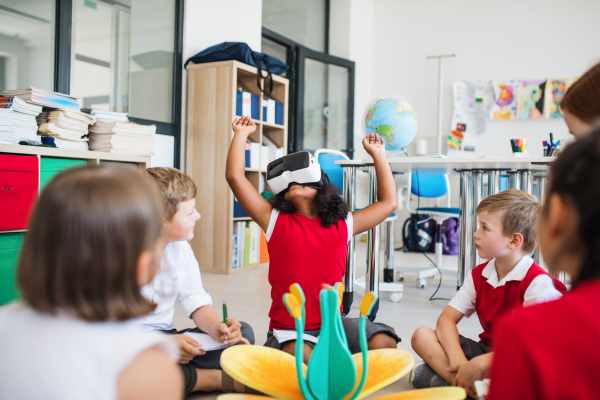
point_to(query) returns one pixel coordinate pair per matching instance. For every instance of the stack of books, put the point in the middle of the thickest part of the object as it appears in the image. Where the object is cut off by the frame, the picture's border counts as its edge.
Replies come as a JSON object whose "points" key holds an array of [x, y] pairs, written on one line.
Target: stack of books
{"points": [[44, 98], [106, 115], [17, 121], [249, 244], [122, 137], [65, 128]]}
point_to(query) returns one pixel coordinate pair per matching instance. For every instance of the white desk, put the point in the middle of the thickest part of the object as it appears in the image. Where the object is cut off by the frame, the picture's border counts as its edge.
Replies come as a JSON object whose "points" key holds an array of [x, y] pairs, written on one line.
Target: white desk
{"points": [[520, 172]]}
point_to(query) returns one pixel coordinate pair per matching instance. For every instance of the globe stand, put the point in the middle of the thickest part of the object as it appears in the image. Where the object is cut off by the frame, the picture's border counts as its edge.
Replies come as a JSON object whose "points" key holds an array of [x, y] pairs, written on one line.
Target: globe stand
{"points": [[440, 99]]}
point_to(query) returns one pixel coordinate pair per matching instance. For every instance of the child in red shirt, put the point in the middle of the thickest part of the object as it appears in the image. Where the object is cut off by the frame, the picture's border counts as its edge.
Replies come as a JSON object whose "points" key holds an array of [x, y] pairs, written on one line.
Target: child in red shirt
{"points": [[511, 279], [551, 351], [308, 230]]}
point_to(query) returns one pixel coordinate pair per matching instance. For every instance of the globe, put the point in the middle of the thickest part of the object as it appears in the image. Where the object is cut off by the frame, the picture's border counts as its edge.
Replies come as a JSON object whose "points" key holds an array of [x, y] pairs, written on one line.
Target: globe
{"points": [[394, 120]]}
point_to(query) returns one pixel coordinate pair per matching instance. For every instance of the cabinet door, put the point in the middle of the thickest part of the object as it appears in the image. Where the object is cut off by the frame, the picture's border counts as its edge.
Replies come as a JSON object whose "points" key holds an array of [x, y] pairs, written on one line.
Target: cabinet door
{"points": [[10, 250]]}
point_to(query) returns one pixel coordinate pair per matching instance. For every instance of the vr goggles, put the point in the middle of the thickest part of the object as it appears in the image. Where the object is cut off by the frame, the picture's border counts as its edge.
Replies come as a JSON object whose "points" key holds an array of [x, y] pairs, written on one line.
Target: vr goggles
{"points": [[300, 168]]}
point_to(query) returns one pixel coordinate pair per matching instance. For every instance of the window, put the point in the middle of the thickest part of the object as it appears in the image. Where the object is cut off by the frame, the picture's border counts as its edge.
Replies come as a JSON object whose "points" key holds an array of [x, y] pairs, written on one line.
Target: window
{"points": [[27, 44], [123, 56], [303, 21], [321, 103]]}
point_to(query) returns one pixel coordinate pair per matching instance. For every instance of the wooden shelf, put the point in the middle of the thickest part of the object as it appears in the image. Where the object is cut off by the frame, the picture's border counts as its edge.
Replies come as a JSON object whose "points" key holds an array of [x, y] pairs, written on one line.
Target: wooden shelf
{"points": [[142, 161], [242, 219], [212, 91]]}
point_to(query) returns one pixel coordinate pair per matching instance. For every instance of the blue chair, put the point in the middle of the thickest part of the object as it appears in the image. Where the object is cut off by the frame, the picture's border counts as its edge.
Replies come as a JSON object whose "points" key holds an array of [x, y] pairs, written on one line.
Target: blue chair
{"points": [[431, 186], [327, 159]]}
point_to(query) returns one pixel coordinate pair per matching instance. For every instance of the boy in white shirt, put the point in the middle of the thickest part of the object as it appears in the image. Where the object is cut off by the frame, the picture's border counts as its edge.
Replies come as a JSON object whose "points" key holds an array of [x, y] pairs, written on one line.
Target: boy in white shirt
{"points": [[179, 279]]}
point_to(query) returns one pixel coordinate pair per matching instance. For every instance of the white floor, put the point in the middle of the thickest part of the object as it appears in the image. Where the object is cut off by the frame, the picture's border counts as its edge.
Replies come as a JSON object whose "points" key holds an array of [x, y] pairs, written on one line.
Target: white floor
{"points": [[248, 299]]}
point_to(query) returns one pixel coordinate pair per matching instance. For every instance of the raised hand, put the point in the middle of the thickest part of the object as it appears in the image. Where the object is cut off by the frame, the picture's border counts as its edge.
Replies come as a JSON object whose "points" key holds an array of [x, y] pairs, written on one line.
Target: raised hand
{"points": [[374, 145], [243, 126]]}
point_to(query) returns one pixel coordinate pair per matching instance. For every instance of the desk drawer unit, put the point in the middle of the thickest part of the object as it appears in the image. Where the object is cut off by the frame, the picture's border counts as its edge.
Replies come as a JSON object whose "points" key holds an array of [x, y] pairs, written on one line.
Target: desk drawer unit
{"points": [[19, 183], [10, 249]]}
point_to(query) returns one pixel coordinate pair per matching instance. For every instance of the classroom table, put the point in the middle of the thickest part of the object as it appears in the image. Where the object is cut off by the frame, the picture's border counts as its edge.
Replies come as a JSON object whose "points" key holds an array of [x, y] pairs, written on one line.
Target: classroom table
{"points": [[521, 172]]}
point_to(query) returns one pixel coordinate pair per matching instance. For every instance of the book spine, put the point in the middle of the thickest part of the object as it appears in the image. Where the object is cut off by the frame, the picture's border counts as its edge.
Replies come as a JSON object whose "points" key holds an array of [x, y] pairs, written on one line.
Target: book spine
{"points": [[271, 111], [279, 113], [246, 103], [255, 105], [253, 255], [241, 231], [255, 155], [247, 246], [234, 259], [265, 102], [238, 103]]}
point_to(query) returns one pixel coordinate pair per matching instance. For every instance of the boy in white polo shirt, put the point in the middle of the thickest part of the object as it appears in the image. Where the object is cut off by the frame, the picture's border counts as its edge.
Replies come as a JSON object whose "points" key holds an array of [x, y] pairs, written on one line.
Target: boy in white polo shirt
{"points": [[507, 235], [179, 279]]}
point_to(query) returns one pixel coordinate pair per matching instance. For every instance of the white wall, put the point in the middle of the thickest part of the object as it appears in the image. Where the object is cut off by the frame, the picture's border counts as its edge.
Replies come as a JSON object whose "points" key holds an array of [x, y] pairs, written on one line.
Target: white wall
{"points": [[209, 22], [514, 39]]}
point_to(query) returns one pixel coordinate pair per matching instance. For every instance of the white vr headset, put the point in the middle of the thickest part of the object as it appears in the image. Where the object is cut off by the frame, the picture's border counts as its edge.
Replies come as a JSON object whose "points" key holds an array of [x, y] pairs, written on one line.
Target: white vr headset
{"points": [[300, 168]]}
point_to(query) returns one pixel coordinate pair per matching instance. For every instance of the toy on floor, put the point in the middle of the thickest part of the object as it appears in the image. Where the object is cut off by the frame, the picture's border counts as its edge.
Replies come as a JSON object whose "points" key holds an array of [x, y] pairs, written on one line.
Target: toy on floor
{"points": [[332, 372]]}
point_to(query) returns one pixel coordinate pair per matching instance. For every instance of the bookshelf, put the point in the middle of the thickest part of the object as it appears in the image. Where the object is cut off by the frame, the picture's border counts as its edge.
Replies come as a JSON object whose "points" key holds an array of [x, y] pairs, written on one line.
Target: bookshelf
{"points": [[211, 110]]}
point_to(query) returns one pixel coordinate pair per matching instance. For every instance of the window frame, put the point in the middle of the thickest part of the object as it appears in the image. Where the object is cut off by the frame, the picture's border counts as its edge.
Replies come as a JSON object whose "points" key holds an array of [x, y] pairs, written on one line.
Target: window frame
{"points": [[296, 54], [62, 69]]}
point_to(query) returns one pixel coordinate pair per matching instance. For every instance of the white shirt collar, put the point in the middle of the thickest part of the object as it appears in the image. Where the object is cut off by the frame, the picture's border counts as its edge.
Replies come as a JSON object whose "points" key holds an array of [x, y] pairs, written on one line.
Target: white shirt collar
{"points": [[516, 274]]}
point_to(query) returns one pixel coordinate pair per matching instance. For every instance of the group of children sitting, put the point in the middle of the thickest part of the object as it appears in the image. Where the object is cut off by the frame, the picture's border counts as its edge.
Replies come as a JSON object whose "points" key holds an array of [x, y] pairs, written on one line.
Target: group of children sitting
{"points": [[107, 256]]}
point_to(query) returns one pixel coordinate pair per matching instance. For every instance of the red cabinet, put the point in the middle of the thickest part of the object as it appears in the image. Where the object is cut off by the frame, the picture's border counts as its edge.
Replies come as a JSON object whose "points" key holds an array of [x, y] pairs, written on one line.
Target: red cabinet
{"points": [[19, 185]]}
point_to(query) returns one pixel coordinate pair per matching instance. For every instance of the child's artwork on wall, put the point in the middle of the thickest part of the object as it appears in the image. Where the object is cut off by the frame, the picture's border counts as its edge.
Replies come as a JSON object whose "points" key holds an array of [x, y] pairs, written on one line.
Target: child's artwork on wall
{"points": [[530, 103], [505, 100], [555, 92]]}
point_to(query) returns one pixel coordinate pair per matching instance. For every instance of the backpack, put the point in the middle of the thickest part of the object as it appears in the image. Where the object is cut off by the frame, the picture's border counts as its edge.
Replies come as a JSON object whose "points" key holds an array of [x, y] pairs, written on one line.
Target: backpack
{"points": [[449, 236], [243, 53], [418, 233]]}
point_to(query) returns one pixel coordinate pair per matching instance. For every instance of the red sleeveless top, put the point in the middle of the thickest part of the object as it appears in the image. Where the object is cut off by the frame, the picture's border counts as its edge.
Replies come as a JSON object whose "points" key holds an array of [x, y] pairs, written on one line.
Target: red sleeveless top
{"points": [[302, 251], [492, 303]]}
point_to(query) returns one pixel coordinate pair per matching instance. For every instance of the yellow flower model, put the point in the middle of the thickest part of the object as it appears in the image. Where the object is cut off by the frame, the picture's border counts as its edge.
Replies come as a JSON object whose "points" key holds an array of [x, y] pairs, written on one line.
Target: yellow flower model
{"points": [[332, 371]]}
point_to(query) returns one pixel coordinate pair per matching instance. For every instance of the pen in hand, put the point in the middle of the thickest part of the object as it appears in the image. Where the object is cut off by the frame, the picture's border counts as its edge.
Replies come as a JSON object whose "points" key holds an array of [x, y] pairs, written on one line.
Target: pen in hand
{"points": [[225, 316]]}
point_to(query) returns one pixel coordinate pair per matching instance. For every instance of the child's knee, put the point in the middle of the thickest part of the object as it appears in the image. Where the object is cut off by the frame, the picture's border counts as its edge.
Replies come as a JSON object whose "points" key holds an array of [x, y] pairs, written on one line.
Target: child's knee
{"points": [[382, 341], [422, 335]]}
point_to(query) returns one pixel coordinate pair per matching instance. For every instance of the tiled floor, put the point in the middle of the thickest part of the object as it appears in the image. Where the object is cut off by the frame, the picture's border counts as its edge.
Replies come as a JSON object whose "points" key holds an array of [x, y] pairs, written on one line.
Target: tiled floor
{"points": [[248, 299]]}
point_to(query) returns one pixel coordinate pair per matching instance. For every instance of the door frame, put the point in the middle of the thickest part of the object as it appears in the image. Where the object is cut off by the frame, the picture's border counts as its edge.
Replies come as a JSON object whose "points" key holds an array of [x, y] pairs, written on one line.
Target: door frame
{"points": [[303, 54]]}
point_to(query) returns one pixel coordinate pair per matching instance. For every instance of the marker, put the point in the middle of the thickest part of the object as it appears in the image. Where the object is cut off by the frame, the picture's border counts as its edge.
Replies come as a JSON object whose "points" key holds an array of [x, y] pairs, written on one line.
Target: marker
{"points": [[225, 316]]}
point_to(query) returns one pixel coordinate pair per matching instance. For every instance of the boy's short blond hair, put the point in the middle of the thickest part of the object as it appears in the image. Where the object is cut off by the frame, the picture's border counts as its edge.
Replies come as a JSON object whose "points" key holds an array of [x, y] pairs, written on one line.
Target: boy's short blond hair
{"points": [[175, 187], [519, 212]]}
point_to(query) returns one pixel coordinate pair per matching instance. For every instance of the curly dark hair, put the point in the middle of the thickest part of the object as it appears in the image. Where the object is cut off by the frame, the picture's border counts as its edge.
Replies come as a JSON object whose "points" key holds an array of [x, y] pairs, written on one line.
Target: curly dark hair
{"points": [[328, 204]]}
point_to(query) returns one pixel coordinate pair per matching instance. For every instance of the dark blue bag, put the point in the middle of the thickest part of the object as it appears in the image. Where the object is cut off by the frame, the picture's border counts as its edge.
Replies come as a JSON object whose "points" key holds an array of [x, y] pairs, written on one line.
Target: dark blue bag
{"points": [[418, 233], [243, 53]]}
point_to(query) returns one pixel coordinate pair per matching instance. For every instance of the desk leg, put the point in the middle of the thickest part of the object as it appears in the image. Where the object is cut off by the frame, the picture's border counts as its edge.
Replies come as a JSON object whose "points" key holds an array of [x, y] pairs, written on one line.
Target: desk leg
{"points": [[526, 180], [373, 246], [493, 182], [465, 227], [478, 195], [349, 196], [540, 181]]}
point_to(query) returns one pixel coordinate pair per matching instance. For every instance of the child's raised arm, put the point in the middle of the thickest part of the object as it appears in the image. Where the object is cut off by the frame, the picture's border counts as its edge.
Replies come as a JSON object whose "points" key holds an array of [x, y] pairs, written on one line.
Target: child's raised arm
{"points": [[387, 199], [251, 201]]}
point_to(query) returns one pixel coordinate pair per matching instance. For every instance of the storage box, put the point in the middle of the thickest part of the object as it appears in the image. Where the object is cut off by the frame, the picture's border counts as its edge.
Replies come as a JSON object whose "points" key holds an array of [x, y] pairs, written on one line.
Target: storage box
{"points": [[10, 250], [19, 182], [49, 167]]}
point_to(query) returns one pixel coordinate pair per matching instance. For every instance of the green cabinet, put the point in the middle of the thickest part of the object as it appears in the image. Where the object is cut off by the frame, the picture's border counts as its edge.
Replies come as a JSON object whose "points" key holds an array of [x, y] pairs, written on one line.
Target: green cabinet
{"points": [[10, 250], [50, 166]]}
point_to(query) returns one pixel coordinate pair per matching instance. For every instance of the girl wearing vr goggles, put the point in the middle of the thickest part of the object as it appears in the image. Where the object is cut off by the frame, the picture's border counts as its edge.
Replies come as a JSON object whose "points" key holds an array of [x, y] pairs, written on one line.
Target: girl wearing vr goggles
{"points": [[308, 227]]}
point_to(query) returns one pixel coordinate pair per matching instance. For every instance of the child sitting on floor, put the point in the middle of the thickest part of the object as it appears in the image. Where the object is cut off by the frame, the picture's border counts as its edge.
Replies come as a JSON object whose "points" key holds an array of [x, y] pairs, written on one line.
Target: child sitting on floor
{"points": [[93, 241], [506, 235], [179, 279], [308, 231], [551, 351]]}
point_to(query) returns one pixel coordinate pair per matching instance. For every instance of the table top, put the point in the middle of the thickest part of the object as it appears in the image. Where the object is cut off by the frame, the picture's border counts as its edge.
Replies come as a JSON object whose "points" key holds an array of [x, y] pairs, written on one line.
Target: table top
{"points": [[444, 165]]}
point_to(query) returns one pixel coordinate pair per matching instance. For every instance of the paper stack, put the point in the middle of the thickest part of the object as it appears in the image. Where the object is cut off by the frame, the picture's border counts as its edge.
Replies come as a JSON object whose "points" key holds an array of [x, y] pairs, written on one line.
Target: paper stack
{"points": [[64, 128], [106, 115], [122, 137], [45, 98], [18, 118]]}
